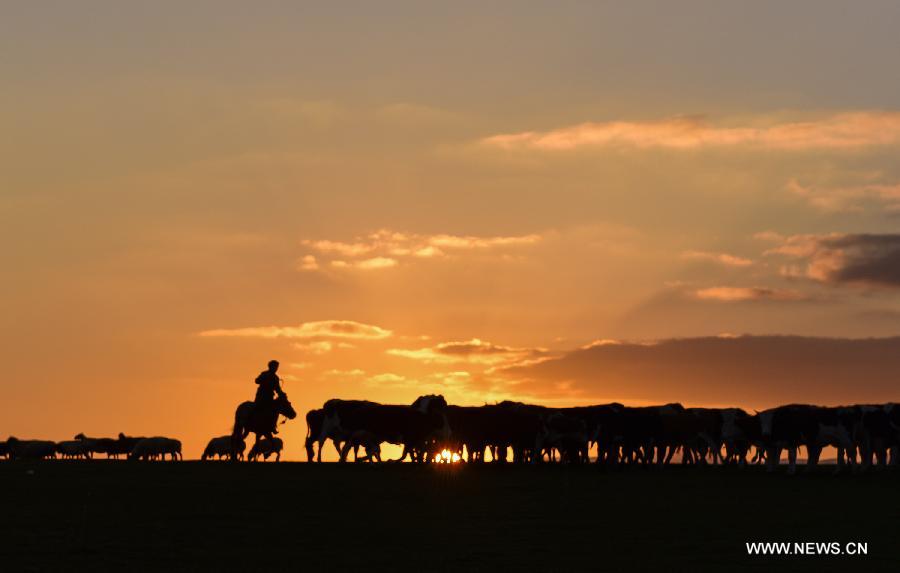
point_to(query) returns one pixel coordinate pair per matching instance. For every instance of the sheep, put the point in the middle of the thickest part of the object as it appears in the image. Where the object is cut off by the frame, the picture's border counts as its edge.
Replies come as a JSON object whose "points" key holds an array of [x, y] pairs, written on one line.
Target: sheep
{"points": [[221, 448], [125, 444], [266, 448], [72, 449], [98, 446], [30, 449], [150, 448]]}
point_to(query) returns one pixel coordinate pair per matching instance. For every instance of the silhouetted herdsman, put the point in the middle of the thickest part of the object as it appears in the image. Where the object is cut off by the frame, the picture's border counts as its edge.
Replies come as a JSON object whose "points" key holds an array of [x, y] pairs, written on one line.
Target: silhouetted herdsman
{"points": [[268, 387], [261, 416]]}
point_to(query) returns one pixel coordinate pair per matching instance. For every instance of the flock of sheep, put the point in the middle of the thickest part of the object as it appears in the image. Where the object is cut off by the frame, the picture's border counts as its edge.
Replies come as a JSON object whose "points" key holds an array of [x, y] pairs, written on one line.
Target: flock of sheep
{"points": [[83, 447], [133, 448]]}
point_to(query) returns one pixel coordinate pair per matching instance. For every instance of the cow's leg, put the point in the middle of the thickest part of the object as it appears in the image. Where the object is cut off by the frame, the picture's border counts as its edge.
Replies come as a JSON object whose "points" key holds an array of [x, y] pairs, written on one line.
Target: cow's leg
{"points": [[344, 450], [881, 456], [792, 460], [670, 455], [716, 451], [308, 446], [773, 456], [812, 455]]}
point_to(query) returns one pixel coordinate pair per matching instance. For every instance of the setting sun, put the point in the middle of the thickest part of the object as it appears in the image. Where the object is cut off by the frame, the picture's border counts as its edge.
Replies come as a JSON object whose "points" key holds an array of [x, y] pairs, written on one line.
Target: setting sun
{"points": [[447, 457]]}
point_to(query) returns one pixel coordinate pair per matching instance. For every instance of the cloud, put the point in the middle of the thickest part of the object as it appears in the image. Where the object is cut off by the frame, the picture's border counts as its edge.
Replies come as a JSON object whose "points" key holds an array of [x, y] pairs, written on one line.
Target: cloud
{"points": [[470, 242], [308, 263], [345, 249], [748, 371], [720, 258], [474, 350], [844, 131], [863, 259], [739, 294], [850, 198], [457, 382], [330, 329], [376, 263], [355, 373], [315, 347], [385, 248]]}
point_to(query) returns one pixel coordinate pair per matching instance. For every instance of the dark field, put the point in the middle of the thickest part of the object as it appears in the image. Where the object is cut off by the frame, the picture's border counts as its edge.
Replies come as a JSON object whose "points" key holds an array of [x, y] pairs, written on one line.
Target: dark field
{"points": [[190, 516]]}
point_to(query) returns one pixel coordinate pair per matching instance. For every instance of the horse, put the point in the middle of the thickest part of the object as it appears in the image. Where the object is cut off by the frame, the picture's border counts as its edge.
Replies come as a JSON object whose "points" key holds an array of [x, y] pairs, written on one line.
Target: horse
{"points": [[247, 419]]}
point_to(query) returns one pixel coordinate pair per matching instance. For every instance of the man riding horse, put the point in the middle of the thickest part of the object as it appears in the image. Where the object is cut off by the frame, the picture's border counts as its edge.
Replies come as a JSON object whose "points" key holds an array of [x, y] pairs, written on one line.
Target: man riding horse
{"points": [[261, 416], [268, 387]]}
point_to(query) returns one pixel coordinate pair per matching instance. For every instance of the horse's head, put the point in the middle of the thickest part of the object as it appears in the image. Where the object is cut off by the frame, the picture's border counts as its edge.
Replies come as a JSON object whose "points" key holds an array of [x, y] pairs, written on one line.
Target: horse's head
{"points": [[283, 407]]}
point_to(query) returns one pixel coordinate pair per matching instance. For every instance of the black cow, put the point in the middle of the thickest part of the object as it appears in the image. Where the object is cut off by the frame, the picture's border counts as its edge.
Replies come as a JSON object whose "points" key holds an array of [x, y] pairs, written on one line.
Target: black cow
{"points": [[317, 433], [328, 426], [419, 428], [875, 434], [470, 428], [789, 427]]}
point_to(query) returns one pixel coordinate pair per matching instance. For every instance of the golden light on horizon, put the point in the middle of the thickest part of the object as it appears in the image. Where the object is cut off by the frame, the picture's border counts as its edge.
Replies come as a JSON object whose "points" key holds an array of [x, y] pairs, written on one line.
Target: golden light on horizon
{"points": [[447, 457]]}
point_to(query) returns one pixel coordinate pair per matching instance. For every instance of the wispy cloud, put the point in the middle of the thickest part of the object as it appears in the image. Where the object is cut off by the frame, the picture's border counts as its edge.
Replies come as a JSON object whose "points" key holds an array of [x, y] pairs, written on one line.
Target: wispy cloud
{"points": [[457, 382], [323, 329], [720, 258], [320, 346], [849, 198], [740, 294], [365, 264], [308, 263], [474, 350], [355, 373], [851, 130], [385, 248]]}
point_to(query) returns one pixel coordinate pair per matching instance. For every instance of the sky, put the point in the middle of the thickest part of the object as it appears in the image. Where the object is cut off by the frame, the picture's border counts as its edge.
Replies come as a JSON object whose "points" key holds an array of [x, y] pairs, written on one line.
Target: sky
{"points": [[554, 202]]}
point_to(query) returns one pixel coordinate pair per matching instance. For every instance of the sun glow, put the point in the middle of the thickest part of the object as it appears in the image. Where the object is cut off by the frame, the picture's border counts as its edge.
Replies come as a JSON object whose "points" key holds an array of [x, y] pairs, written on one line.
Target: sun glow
{"points": [[447, 457]]}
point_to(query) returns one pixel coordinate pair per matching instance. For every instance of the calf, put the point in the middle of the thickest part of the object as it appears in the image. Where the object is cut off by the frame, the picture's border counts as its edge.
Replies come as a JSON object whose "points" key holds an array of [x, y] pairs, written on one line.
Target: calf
{"points": [[266, 447], [224, 447], [369, 442]]}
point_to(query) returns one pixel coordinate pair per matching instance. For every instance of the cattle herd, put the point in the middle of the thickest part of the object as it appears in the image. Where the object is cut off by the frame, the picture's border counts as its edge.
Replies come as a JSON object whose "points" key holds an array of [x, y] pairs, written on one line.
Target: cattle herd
{"points": [[432, 430]]}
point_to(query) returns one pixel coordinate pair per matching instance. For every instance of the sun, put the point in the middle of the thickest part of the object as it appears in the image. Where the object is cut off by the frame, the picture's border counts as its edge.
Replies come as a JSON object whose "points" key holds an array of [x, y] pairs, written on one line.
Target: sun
{"points": [[447, 457]]}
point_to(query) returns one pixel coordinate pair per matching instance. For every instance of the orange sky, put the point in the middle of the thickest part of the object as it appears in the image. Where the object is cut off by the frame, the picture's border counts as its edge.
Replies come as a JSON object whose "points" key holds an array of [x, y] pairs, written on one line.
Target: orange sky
{"points": [[484, 202]]}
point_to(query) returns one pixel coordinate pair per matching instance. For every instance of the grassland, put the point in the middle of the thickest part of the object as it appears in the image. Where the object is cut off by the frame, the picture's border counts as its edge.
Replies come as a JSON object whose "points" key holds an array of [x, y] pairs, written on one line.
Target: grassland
{"points": [[191, 516]]}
